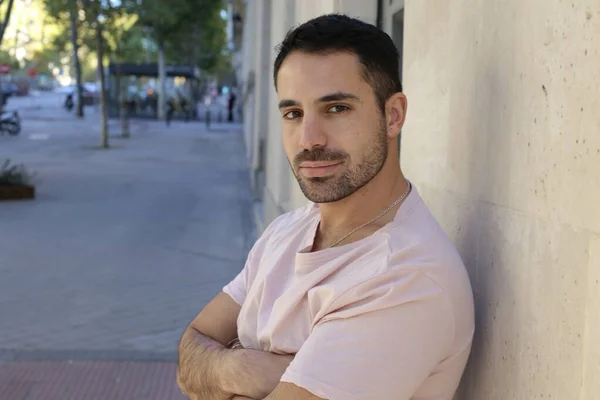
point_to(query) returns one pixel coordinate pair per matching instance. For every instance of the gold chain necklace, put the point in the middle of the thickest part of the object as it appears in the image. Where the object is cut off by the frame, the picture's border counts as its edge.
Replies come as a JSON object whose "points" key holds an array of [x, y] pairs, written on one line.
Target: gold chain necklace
{"points": [[387, 210]]}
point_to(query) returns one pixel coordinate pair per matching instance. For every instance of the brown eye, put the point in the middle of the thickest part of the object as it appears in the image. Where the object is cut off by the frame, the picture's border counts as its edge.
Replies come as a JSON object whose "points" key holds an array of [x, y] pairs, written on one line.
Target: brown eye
{"points": [[292, 114], [338, 109]]}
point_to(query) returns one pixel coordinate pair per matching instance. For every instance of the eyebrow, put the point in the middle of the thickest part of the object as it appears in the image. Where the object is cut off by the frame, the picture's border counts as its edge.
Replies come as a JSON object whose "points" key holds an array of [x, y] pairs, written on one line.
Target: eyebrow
{"points": [[337, 96]]}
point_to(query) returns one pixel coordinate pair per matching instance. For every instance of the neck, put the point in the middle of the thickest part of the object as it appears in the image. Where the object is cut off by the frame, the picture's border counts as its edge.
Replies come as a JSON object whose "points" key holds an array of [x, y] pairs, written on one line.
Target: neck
{"points": [[340, 217]]}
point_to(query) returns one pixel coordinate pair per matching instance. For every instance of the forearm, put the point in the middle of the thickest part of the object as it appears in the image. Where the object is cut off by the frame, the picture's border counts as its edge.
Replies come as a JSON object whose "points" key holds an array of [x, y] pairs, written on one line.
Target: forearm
{"points": [[202, 368], [211, 371], [254, 374]]}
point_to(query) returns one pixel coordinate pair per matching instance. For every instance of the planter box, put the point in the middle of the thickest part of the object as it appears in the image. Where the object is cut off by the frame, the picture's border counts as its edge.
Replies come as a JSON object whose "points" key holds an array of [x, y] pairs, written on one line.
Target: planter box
{"points": [[16, 192]]}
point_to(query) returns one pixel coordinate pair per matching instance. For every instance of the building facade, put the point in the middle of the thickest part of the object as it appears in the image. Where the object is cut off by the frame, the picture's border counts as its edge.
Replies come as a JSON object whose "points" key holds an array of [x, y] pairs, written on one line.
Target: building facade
{"points": [[502, 141]]}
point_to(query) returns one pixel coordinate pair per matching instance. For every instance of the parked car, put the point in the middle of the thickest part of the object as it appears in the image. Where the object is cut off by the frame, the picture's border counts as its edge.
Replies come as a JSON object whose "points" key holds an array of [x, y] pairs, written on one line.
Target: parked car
{"points": [[9, 89]]}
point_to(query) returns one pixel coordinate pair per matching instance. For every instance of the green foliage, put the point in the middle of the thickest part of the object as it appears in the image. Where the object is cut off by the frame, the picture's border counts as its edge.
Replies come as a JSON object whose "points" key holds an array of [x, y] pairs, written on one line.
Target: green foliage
{"points": [[202, 41], [28, 36], [191, 31], [6, 57], [42, 59], [125, 38]]}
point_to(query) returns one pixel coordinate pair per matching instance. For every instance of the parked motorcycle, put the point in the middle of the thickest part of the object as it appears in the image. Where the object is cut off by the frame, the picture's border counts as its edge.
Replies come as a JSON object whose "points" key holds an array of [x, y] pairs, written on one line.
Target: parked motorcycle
{"points": [[10, 122], [69, 102]]}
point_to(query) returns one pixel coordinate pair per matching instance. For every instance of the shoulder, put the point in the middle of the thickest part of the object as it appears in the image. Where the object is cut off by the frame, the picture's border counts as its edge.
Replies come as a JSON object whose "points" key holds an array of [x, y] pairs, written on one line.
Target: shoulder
{"points": [[416, 241], [419, 244], [286, 225], [415, 262]]}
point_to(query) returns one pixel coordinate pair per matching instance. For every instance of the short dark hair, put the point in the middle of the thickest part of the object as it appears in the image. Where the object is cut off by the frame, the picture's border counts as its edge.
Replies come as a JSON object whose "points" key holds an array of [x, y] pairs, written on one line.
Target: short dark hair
{"points": [[337, 33]]}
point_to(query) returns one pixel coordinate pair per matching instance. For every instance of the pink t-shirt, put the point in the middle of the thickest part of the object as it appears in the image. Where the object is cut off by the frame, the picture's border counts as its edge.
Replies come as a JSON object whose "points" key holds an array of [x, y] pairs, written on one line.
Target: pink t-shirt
{"points": [[389, 317]]}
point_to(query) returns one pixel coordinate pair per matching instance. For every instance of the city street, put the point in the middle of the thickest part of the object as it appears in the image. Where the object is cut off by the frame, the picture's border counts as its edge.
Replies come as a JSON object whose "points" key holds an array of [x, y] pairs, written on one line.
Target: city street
{"points": [[100, 274]]}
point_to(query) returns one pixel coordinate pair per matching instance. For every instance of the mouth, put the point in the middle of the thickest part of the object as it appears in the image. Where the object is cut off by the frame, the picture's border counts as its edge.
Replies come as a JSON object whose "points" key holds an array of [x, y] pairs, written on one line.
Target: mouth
{"points": [[318, 169]]}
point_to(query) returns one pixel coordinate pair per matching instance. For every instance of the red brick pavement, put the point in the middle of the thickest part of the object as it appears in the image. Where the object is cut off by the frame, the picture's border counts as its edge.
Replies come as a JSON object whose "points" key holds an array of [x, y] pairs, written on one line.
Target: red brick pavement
{"points": [[65, 380]]}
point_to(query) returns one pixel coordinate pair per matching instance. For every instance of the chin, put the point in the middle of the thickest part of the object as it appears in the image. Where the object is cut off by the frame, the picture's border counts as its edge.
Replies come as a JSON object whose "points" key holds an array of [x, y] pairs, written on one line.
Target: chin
{"points": [[324, 198], [323, 194]]}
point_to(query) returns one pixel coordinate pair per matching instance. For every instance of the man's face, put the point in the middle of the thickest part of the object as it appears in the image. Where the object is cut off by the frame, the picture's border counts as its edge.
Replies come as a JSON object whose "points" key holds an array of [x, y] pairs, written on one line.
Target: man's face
{"points": [[333, 131]]}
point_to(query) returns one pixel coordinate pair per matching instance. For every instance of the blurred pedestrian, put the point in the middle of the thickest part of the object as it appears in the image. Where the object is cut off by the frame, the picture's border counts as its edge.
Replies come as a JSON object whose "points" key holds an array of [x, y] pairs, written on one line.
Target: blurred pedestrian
{"points": [[230, 106]]}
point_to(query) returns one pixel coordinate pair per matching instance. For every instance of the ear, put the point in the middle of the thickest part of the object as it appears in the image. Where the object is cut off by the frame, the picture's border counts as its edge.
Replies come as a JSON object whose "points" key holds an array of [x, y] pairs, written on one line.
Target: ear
{"points": [[395, 111]]}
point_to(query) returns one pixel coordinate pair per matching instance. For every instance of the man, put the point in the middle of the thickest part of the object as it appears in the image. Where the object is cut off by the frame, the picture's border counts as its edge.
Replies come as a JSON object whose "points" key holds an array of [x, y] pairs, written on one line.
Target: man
{"points": [[170, 110], [230, 105], [360, 294]]}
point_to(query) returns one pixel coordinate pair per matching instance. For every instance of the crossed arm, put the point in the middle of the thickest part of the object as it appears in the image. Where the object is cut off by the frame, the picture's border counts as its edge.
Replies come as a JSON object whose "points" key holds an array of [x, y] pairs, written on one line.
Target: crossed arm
{"points": [[208, 370], [407, 340]]}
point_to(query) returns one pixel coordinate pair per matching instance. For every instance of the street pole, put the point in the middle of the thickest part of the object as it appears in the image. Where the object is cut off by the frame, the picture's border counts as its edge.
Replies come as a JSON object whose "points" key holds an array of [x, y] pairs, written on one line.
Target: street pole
{"points": [[162, 81], [76, 63]]}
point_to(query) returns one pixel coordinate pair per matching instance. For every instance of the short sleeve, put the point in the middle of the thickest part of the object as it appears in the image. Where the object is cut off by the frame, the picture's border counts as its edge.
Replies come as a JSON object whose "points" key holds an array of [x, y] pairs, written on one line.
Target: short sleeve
{"points": [[238, 287], [382, 341]]}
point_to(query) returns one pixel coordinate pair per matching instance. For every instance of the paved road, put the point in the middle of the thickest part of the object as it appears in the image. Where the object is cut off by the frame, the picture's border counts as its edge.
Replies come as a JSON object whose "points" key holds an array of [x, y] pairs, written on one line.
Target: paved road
{"points": [[120, 250]]}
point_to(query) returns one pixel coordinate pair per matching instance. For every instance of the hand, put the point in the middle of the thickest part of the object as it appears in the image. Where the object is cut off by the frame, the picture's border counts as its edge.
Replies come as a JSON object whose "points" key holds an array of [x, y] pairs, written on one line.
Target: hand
{"points": [[254, 373]]}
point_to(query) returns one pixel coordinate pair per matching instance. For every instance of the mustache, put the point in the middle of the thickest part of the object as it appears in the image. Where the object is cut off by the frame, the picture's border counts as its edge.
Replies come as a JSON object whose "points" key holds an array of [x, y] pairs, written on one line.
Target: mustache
{"points": [[318, 154]]}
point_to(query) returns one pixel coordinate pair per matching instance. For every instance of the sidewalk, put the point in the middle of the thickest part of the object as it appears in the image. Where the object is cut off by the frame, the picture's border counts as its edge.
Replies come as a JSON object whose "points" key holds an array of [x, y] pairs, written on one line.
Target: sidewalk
{"points": [[119, 251], [88, 380]]}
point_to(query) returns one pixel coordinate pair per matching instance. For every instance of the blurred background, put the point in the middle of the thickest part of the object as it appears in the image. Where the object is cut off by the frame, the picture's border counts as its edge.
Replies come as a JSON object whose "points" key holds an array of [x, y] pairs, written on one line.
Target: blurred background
{"points": [[125, 202]]}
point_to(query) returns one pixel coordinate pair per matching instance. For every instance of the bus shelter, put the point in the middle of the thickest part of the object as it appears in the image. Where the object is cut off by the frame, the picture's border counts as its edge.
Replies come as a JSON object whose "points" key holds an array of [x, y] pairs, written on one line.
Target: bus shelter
{"points": [[137, 85]]}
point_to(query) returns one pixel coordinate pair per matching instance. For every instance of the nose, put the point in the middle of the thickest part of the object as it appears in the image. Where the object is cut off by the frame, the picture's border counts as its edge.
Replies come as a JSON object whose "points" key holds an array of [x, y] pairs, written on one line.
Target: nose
{"points": [[311, 134]]}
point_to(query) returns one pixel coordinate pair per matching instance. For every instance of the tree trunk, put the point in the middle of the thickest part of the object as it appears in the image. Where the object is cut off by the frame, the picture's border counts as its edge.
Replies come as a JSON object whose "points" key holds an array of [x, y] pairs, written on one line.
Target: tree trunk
{"points": [[162, 78], [103, 113], [123, 111], [16, 45], [3, 26], [125, 120], [195, 47], [6, 19], [76, 63]]}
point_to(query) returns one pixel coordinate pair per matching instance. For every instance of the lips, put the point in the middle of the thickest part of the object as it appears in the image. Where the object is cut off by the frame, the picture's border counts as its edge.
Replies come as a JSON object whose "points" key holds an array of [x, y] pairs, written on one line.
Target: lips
{"points": [[318, 164], [319, 169]]}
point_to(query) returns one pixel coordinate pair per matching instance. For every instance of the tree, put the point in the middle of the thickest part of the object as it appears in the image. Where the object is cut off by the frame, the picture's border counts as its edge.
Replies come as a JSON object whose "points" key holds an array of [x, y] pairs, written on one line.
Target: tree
{"points": [[6, 18], [68, 10], [73, 12], [95, 13], [124, 43], [188, 31], [202, 41], [183, 31], [88, 21], [2, 30]]}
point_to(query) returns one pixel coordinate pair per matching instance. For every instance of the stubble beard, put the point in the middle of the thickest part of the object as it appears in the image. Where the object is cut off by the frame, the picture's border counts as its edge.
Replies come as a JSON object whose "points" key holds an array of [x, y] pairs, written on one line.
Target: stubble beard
{"points": [[355, 176]]}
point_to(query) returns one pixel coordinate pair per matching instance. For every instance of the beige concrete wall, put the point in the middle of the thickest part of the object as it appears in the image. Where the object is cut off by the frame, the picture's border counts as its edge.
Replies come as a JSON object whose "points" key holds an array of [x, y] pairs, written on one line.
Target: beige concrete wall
{"points": [[259, 52], [277, 189], [502, 139], [249, 60]]}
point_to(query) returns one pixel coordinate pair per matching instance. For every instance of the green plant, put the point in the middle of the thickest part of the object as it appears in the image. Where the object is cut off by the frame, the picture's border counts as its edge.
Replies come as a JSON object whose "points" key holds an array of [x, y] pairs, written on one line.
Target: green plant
{"points": [[15, 174]]}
